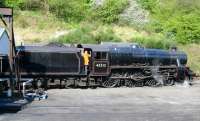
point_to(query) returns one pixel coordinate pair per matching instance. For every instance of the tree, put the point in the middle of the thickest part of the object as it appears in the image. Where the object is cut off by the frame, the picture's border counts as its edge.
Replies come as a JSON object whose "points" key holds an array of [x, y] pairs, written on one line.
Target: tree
{"points": [[2, 3]]}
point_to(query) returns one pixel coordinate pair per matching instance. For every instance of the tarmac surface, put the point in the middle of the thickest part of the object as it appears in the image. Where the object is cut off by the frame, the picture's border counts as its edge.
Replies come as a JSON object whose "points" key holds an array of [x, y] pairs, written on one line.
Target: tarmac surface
{"points": [[176, 103]]}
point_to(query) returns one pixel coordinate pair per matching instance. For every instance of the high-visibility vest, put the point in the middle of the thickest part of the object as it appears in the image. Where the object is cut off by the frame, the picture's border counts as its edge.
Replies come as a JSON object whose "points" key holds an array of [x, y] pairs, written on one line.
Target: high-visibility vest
{"points": [[86, 57]]}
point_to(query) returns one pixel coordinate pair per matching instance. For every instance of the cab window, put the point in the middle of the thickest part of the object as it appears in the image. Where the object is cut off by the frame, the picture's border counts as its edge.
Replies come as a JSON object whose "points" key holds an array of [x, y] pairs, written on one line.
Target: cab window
{"points": [[101, 55]]}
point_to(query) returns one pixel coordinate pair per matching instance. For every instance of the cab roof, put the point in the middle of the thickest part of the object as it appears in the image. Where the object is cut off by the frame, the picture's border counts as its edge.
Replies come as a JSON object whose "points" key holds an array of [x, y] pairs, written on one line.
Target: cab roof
{"points": [[96, 47]]}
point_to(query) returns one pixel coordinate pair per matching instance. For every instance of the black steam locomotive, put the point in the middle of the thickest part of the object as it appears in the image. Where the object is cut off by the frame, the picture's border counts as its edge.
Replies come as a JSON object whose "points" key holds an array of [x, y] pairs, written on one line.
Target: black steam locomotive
{"points": [[110, 65]]}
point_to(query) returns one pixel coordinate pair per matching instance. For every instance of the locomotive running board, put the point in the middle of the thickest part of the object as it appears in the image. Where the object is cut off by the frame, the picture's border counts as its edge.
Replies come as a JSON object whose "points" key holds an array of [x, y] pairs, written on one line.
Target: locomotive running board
{"points": [[135, 67], [132, 78]]}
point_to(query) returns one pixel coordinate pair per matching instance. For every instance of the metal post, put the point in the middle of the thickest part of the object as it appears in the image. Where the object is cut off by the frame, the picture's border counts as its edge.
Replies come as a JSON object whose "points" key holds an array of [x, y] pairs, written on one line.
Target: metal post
{"points": [[1, 64]]}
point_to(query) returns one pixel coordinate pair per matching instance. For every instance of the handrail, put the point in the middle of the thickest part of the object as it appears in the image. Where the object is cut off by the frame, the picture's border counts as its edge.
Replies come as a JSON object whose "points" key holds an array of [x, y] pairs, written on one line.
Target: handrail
{"points": [[24, 87]]}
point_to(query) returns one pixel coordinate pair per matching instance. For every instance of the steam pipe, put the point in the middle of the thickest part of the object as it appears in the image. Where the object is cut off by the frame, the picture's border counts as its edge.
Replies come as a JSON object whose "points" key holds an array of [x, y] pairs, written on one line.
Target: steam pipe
{"points": [[178, 62]]}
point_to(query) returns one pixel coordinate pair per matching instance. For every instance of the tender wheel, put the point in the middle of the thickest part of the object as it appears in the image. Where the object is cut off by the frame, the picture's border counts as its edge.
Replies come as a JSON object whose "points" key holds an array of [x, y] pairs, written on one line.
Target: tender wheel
{"points": [[69, 83], [152, 83], [110, 83], [139, 84], [169, 82], [129, 83]]}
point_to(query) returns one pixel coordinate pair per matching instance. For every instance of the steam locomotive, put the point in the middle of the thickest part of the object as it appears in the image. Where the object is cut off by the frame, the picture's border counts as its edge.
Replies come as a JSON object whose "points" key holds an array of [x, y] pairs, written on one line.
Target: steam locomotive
{"points": [[110, 65]]}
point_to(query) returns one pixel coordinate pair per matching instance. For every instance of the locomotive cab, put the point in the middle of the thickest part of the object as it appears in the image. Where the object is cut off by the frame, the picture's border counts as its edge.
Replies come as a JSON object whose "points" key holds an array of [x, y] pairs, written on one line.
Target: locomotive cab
{"points": [[99, 61], [100, 65]]}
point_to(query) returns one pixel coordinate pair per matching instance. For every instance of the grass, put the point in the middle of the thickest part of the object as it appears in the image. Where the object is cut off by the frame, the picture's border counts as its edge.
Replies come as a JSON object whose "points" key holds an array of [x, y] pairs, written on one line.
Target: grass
{"points": [[36, 26]]}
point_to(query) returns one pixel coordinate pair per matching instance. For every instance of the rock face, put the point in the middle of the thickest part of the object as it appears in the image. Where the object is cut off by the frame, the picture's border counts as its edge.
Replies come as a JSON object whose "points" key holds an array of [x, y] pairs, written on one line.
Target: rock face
{"points": [[134, 14]]}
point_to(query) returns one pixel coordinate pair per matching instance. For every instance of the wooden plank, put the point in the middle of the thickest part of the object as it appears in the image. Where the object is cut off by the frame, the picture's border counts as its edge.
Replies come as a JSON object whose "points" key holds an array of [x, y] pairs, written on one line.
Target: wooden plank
{"points": [[6, 11]]}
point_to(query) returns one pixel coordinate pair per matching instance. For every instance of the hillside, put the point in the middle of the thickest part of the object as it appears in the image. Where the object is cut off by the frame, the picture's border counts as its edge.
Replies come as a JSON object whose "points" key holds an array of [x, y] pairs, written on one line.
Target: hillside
{"points": [[152, 23]]}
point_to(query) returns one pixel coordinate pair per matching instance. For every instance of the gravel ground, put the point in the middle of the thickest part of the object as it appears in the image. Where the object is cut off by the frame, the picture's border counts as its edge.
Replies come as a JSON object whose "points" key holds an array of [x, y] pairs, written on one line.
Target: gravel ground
{"points": [[177, 103]]}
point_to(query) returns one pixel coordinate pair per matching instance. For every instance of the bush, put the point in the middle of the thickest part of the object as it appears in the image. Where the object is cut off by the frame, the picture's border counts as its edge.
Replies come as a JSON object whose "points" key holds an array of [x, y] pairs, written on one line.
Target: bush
{"points": [[106, 35], [180, 18], [89, 34], [2, 3], [148, 4], [69, 10], [185, 28], [26, 4], [80, 35], [74, 10], [110, 10], [32, 4], [79, 10], [13, 3]]}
